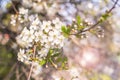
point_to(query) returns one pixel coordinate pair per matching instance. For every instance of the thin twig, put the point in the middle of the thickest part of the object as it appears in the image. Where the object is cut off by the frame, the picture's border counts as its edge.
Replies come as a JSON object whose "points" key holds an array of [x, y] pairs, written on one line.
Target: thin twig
{"points": [[10, 72], [30, 72], [107, 12], [117, 3], [75, 40], [110, 10], [24, 72], [14, 8], [17, 73], [31, 68]]}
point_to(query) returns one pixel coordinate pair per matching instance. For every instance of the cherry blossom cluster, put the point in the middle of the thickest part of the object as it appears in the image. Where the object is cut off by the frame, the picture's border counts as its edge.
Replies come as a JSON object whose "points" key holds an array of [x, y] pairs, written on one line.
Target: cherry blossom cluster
{"points": [[22, 17], [44, 35]]}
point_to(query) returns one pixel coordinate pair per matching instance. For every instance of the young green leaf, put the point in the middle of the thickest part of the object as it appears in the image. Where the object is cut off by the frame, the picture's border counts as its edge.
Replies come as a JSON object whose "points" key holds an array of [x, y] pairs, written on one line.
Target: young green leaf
{"points": [[66, 31], [79, 20], [104, 17], [42, 62]]}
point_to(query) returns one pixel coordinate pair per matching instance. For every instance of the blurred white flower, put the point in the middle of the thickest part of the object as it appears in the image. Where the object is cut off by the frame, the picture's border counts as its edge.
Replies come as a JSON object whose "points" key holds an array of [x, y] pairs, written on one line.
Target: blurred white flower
{"points": [[37, 69], [108, 70], [13, 20], [68, 12], [90, 58], [74, 72]]}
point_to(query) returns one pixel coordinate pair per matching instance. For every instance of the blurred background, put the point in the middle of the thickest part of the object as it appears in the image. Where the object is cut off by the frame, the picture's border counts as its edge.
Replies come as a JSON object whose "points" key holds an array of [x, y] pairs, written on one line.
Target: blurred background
{"points": [[92, 57]]}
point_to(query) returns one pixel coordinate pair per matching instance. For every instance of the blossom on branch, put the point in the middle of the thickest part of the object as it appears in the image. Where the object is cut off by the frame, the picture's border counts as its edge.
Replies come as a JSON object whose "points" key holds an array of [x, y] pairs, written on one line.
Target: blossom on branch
{"points": [[44, 35]]}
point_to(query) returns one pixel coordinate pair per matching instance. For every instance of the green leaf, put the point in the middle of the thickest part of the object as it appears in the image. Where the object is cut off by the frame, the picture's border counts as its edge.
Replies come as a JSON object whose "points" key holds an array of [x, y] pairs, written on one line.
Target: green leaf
{"points": [[65, 30], [42, 62], [8, 5], [50, 53], [59, 59], [79, 20], [104, 17], [81, 28]]}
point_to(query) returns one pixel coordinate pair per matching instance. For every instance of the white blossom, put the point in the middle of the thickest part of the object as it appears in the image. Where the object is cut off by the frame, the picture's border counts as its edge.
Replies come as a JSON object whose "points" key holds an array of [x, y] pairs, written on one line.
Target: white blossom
{"points": [[22, 56], [13, 20], [23, 15], [46, 35]]}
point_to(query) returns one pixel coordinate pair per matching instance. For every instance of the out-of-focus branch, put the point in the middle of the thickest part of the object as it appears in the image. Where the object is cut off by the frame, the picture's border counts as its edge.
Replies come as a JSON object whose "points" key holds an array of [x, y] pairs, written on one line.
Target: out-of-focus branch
{"points": [[117, 3], [14, 8], [107, 12], [11, 72]]}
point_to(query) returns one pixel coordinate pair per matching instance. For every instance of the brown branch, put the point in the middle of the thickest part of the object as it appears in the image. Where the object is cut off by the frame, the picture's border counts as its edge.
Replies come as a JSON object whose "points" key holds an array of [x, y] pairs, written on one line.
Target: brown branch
{"points": [[24, 72], [110, 10], [17, 73], [14, 8], [31, 68], [11, 72], [75, 40], [30, 72], [107, 12], [117, 3]]}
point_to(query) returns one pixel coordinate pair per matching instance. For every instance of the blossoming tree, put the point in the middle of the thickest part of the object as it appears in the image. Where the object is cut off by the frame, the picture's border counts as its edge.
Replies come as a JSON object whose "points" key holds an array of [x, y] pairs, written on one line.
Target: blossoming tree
{"points": [[58, 35]]}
